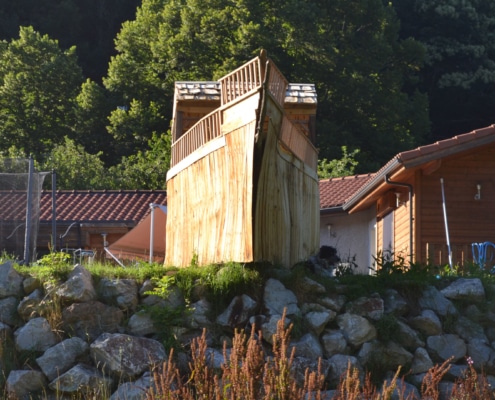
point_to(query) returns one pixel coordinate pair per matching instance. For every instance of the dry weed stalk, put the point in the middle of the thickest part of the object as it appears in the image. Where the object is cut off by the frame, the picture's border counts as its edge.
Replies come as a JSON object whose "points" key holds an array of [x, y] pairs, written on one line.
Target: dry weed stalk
{"points": [[472, 386], [246, 373], [429, 386]]}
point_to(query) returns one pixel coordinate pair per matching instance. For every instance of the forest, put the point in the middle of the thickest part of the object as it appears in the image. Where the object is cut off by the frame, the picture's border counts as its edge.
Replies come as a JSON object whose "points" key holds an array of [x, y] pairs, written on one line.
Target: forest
{"points": [[86, 88]]}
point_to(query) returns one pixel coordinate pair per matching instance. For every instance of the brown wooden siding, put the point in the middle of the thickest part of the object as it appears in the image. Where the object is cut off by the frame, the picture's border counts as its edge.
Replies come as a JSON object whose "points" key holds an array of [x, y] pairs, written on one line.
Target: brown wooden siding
{"points": [[216, 188], [287, 223], [469, 220], [401, 229]]}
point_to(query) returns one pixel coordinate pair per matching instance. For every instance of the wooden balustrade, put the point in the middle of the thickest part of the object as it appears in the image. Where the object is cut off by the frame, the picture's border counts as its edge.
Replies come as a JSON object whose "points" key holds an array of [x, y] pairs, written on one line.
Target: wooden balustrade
{"points": [[241, 81], [438, 253], [202, 132], [298, 143]]}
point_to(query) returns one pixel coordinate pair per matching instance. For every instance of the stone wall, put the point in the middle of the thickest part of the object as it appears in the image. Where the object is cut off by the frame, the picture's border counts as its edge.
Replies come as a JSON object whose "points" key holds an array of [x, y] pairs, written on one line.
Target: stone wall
{"points": [[101, 342]]}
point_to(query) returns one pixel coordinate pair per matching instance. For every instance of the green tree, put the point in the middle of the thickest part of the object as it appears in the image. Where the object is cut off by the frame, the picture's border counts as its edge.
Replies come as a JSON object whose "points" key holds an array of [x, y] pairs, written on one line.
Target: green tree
{"points": [[344, 166], [459, 72], [76, 169], [147, 169], [38, 86], [350, 50]]}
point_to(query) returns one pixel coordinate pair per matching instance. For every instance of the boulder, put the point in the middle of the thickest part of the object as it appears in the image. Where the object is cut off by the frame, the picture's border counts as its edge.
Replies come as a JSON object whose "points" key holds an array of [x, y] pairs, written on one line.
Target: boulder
{"points": [[10, 281], [443, 347], [434, 300], [58, 359], [122, 293], [237, 314], [134, 390], [277, 298], [90, 319], [357, 330], [35, 335], [8, 311], [369, 307], [78, 287], [465, 289], [22, 384], [334, 342], [427, 323], [141, 324], [83, 379], [308, 346], [126, 356]]}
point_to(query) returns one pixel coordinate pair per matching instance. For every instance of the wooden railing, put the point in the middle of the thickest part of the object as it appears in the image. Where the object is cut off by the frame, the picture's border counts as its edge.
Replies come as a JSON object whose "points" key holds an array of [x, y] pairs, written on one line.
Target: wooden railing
{"points": [[241, 81], [438, 253], [298, 143], [200, 133], [277, 84]]}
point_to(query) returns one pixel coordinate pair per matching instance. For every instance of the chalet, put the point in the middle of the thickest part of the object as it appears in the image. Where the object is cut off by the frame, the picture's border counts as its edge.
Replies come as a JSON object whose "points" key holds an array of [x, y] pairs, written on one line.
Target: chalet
{"points": [[243, 184], [426, 205]]}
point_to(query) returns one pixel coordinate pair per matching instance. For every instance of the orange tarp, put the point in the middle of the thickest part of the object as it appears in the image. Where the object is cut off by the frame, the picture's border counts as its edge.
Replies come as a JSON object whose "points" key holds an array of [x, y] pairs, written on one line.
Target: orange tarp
{"points": [[135, 244]]}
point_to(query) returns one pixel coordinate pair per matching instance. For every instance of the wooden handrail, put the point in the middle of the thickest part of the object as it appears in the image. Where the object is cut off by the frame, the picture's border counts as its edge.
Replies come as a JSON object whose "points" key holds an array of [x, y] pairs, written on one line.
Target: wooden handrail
{"points": [[241, 81], [298, 143], [200, 133]]}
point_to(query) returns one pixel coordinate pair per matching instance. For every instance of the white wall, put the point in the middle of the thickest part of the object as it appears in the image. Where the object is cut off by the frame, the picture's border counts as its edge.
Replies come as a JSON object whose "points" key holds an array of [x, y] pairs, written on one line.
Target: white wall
{"points": [[352, 235]]}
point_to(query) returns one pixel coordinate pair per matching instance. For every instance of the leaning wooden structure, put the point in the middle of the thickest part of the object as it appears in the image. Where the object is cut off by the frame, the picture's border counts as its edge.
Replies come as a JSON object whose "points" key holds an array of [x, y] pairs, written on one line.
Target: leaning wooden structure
{"points": [[243, 182]]}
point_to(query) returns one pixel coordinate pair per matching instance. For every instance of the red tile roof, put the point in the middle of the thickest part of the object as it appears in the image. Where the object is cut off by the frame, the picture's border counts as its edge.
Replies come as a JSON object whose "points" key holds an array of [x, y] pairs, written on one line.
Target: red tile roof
{"points": [[101, 205], [335, 191], [447, 147]]}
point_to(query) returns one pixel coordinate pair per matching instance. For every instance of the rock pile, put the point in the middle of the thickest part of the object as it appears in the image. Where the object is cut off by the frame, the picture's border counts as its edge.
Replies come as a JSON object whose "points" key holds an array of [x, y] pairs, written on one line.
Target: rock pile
{"points": [[102, 343]]}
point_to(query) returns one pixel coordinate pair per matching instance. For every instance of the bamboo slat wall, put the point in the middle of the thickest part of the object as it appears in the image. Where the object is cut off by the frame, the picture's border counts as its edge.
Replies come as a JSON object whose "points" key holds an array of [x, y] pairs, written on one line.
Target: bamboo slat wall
{"points": [[469, 220], [210, 205], [287, 221]]}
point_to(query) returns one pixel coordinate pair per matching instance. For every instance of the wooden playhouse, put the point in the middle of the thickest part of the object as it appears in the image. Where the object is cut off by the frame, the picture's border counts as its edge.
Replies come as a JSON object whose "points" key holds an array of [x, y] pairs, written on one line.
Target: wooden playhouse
{"points": [[243, 182]]}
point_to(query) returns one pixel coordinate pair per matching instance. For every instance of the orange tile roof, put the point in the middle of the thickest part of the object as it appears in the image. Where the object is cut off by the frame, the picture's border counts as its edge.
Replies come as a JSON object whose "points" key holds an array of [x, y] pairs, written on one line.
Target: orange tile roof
{"points": [[335, 191], [101, 205]]}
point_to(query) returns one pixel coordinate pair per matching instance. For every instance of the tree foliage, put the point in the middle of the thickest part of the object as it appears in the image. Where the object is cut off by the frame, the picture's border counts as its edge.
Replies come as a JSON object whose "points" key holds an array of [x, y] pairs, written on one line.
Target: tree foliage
{"points": [[38, 85]]}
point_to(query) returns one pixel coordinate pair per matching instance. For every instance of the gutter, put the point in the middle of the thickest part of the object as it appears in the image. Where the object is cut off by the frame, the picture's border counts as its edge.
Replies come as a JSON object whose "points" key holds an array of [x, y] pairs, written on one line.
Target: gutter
{"points": [[378, 178], [331, 210]]}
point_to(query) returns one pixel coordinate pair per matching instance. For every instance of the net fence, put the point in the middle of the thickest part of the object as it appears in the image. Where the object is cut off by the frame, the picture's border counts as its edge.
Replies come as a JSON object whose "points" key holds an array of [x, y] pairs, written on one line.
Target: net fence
{"points": [[20, 197]]}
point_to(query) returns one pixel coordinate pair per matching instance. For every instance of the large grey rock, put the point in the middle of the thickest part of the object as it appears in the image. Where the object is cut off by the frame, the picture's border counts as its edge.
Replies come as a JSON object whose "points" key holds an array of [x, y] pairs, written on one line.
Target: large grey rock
{"points": [[302, 365], [22, 384], [126, 356], [408, 337], [269, 326], [482, 355], [90, 319], [311, 286], [122, 293], [173, 298], [427, 323], [35, 335], [10, 281], [237, 314], [369, 307], [58, 359], [134, 390], [432, 299], [465, 289], [8, 311], [469, 330], [389, 356], [200, 315], [277, 298], [421, 362], [339, 363], [83, 379], [334, 342], [78, 287], [333, 302], [141, 324], [318, 320], [394, 303], [443, 347], [308, 346], [357, 330]]}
